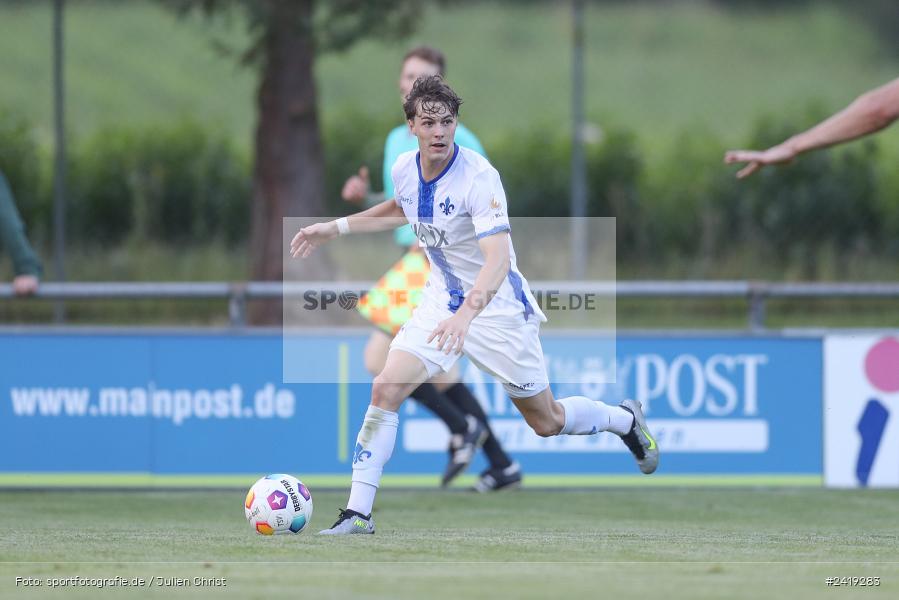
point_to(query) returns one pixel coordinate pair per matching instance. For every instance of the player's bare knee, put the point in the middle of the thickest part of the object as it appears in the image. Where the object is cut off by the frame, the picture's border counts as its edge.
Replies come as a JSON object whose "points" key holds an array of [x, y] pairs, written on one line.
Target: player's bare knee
{"points": [[386, 395]]}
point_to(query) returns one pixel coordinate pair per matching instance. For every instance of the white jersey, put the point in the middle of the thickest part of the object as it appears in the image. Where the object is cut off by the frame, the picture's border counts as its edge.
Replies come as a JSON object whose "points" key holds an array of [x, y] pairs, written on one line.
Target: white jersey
{"points": [[449, 214]]}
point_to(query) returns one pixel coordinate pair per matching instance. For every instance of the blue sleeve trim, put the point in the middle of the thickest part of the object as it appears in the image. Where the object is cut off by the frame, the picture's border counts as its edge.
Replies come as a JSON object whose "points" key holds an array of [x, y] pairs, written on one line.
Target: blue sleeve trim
{"points": [[494, 231]]}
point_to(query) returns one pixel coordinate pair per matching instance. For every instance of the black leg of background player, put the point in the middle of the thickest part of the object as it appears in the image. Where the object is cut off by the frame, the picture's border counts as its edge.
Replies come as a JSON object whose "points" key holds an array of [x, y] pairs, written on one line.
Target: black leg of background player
{"points": [[428, 396]]}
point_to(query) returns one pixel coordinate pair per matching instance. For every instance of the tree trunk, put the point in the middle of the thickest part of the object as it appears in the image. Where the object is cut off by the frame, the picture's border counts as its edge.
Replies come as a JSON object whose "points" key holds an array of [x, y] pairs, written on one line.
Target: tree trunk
{"points": [[289, 168]]}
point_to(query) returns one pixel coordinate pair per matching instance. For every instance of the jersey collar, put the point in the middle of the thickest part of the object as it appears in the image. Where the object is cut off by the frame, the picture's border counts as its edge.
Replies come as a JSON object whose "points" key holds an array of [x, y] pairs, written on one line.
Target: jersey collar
{"points": [[443, 172]]}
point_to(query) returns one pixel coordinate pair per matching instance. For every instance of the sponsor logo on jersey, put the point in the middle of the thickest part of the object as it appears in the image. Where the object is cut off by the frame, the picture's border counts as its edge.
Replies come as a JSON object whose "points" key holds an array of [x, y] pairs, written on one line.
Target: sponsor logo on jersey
{"points": [[430, 236]]}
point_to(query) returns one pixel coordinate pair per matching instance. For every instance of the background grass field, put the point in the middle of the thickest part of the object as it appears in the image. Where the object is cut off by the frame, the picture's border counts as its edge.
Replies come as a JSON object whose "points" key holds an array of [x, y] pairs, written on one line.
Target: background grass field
{"points": [[626, 542], [716, 70]]}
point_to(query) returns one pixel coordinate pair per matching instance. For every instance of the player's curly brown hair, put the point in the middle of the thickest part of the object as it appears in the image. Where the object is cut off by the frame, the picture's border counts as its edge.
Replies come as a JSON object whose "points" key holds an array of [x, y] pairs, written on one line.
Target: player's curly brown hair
{"points": [[431, 92]]}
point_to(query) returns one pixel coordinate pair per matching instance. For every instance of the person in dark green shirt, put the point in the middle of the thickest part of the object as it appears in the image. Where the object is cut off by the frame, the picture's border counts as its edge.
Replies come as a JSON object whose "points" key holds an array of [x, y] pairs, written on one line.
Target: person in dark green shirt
{"points": [[26, 265], [445, 394]]}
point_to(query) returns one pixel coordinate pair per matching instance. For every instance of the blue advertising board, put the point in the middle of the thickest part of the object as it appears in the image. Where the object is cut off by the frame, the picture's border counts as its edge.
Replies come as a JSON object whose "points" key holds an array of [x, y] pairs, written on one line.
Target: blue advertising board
{"points": [[187, 402]]}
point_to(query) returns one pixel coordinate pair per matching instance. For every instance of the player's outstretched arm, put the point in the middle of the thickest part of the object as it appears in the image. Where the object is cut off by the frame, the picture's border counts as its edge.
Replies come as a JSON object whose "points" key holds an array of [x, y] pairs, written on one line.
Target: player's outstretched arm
{"points": [[450, 333], [869, 113], [382, 217]]}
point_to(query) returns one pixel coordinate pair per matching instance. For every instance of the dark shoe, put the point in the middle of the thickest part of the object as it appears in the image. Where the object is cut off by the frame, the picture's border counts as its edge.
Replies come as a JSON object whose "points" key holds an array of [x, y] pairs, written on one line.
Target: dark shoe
{"points": [[463, 447], [494, 480]]}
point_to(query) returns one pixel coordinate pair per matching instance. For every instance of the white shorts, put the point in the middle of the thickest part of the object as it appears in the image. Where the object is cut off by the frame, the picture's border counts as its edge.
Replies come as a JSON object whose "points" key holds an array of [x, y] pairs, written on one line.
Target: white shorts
{"points": [[512, 354]]}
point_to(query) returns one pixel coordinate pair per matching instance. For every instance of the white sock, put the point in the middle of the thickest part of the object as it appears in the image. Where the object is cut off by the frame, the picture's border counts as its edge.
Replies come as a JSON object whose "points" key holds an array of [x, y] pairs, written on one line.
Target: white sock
{"points": [[584, 416], [374, 445], [362, 497]]}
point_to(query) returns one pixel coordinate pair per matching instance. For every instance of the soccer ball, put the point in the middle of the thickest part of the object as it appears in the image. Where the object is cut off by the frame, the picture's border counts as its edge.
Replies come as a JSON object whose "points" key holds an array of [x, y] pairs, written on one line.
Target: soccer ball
{"points": [[277, 504]]}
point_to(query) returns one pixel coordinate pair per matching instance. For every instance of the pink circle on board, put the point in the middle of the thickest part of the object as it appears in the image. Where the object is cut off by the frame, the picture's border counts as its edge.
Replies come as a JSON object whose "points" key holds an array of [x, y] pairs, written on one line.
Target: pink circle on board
{"points": [[882, 365]]}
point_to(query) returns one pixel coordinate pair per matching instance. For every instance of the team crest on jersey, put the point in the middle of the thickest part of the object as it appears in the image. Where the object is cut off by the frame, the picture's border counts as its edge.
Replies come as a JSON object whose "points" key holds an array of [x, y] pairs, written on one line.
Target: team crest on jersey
{"points": [[447, 206], [494, 204], [430, 236]]}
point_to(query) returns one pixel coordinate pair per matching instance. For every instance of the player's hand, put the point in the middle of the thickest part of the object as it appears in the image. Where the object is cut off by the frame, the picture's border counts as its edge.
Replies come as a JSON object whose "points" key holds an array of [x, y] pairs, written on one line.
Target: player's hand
{"points": [[450, 334], [776, 155], [25, 285], [355, 189], [309, 238]]}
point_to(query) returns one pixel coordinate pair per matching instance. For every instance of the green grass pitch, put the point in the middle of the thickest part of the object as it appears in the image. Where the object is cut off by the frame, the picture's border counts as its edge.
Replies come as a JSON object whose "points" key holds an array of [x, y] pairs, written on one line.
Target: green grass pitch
{"points": [[670, 542]]}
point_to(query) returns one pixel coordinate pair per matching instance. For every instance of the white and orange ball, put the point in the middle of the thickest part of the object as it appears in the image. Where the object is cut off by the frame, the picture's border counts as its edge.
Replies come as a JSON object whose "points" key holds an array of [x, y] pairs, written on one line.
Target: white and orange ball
{"points": [[278, 504]]}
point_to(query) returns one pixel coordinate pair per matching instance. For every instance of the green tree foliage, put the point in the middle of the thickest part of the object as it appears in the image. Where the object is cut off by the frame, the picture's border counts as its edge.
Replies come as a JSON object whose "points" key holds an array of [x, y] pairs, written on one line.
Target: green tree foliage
{"points": [[179, 183], [334, 25], [827, 197], [285, 36], [187, 183], [352, 139]]}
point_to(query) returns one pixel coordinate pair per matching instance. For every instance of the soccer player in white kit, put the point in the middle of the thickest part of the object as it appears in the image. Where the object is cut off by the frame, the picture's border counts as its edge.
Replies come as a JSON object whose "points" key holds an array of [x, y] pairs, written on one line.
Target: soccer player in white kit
{"points": [[475, 302]]}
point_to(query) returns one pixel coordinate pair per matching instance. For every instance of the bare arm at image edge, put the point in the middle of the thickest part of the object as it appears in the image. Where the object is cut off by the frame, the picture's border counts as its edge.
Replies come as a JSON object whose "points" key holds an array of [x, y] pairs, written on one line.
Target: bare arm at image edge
{"points": [[869, 113]]}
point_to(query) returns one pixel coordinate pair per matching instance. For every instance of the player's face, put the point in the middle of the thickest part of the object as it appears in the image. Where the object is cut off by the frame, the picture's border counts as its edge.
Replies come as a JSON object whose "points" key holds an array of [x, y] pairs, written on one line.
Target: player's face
{"points": [[414, 68], [435, 128]]}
